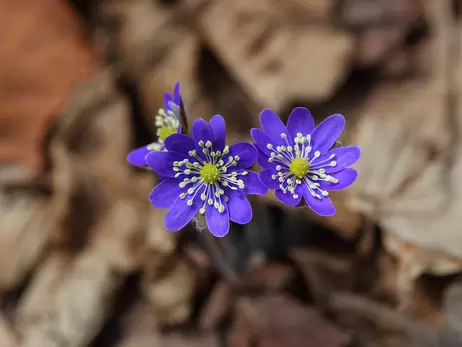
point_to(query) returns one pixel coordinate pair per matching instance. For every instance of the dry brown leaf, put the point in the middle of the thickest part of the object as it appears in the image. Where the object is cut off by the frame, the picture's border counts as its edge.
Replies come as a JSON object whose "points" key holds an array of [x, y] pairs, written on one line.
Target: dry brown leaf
{"points": [[216, 307], [7, 336], [276, 63], [382, 26], [139, 327], [276, 321], [89, 157], [42, 57], [120, 236], [322, 271], [156, 51], [42, 286], [169, 289], [318, 9], [159, 240], [142, 332], [78, 307], [270, 278], [398, 171], [364, 13], [179, 65], [202, 340], [310, 10], [403, 180], [27, 222], [374, 44], [168, 280], [102, 212], [142, 340]]}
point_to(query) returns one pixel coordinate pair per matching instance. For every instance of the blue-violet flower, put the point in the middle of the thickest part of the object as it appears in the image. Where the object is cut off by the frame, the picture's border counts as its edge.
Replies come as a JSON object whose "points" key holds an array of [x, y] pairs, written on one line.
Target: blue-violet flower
{"points": [[299, 160], [205, 176], [167, 122]]}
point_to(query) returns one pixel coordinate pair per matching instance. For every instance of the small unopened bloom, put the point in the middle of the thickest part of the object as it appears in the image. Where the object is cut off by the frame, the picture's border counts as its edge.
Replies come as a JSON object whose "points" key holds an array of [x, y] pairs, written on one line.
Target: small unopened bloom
{"points": [[299, 160], [167, 123], [204, 176]]}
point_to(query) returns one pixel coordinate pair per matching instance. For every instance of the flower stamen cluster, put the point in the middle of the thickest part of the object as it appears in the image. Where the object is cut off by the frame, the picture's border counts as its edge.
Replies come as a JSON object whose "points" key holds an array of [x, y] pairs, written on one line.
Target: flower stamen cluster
{"points": [[294, 167], [299, 159], [211, 173], [167, 122], [207, 177], [201, 175]]}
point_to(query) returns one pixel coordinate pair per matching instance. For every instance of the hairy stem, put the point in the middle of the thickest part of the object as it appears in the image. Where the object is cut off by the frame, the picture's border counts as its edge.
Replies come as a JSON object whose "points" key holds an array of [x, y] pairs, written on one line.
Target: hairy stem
{"points": [[217, 256]]}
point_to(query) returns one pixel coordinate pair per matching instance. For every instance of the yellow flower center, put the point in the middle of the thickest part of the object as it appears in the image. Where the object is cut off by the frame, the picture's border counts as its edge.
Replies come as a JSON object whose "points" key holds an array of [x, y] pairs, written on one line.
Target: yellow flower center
{"points": [[166, 132], [210, 173], [299, 167]]}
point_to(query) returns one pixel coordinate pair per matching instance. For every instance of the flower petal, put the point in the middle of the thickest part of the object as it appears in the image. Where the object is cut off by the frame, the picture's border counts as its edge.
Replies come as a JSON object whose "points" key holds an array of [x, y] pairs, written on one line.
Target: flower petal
{"points": [[181, 214], [287, 198], [179, 143], [263, 160], [261, 140], [327, 132], [201, 131], [273, 127], [252, 184], [265, 177], [162, 162], [167, 99], [344, 157], [218, 129], [246, 152], [218, 223], [322, 207], [137, 157], [300, 121], [240, 211], [176, 94], [345, 178], [165, 193]]}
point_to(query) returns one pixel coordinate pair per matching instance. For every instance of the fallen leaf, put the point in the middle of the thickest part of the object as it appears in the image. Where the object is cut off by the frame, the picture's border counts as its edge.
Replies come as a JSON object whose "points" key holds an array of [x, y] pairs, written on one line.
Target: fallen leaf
{"points": [[273, 62], [42, 58], [7, 335], [277, 321]]}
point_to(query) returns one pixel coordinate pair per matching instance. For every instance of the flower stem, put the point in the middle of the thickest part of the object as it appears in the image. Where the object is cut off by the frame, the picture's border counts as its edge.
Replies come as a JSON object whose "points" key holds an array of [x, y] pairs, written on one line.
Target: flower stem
{"points": [[209, 242], [218, 260]]}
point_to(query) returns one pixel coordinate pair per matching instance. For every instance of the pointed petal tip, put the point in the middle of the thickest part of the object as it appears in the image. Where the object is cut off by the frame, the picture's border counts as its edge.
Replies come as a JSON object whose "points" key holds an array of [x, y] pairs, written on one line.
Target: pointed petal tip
{"points": [[327, 132]]}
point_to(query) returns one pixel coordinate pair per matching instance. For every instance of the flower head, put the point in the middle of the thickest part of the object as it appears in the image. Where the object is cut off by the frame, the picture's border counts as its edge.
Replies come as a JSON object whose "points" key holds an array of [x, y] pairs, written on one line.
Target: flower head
{"points": [[298, 160], [167, 123], [205, 176]]}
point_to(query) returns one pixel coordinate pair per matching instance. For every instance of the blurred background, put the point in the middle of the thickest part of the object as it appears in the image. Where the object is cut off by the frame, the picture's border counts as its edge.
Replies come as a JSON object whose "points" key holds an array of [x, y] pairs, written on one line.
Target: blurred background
{"points": [[85, 260]]}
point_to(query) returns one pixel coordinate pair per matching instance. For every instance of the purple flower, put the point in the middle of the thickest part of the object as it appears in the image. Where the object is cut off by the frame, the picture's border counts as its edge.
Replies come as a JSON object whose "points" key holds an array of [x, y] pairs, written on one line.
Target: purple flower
{"points": [[167, 123], [205, 176], [298, 160]]}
